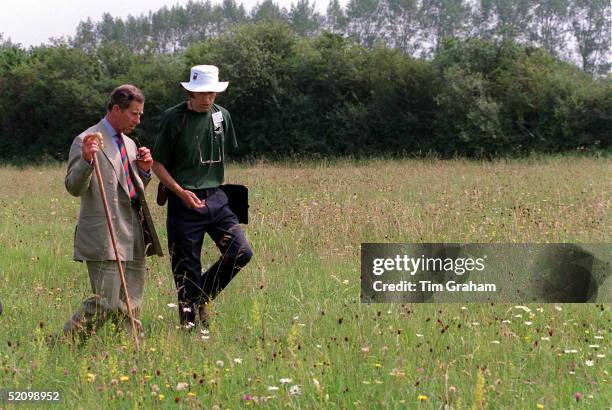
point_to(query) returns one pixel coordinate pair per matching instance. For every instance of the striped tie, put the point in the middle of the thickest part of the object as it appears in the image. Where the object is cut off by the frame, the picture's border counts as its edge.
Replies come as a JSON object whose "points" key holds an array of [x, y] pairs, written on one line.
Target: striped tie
{"points": [[126, 165]]}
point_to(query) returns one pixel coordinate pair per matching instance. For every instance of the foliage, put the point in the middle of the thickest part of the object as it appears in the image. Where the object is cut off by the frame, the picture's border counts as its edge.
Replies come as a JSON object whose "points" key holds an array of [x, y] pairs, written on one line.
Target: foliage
{"points": [[325, 95]]}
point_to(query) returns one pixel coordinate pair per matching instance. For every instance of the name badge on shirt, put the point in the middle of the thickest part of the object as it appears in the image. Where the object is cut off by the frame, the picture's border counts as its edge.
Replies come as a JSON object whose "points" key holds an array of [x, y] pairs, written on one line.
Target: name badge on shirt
{"points": [[217, 118]]}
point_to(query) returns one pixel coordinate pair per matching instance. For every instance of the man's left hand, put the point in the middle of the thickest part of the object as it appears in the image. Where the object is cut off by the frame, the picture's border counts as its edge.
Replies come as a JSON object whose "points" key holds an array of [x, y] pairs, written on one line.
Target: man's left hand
{"points": [[144, 159]]}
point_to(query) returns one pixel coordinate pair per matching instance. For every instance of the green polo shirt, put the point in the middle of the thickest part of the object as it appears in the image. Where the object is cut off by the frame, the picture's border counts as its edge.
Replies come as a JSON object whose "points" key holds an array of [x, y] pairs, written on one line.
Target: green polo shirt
{"points": [[192, 148]]}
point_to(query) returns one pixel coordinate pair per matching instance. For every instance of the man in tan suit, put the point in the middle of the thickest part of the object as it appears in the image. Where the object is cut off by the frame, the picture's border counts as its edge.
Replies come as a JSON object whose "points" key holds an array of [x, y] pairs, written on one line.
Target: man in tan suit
{"points": [[125, 170]]}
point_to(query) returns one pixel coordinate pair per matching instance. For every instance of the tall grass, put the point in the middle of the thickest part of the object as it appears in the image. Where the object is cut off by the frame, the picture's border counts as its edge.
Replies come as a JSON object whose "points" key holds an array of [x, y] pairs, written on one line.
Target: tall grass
{"points": [[294, 311]]}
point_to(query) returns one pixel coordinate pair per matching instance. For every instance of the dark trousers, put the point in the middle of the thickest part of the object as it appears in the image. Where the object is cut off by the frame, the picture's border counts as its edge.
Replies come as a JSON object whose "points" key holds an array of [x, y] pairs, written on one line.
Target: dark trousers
{"points": [[186, 229]]}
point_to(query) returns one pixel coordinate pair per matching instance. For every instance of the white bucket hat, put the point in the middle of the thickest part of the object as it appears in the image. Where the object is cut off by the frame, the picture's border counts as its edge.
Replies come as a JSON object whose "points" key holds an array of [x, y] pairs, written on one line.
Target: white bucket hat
{"points": [[205, 78]]}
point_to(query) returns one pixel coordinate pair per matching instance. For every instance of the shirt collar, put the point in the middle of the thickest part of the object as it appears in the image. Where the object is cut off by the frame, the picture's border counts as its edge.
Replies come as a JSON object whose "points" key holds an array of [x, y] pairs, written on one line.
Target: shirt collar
{"points": [[109, 127]]}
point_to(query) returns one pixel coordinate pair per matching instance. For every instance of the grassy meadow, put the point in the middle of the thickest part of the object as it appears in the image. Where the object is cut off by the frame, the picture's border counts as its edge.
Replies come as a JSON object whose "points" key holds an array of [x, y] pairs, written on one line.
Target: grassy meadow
{"points": [[290, 330]]}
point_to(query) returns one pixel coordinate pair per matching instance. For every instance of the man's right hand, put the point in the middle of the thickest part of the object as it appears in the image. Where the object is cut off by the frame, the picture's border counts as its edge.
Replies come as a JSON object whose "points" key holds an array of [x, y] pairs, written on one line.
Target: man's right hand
{"points": [[91, 145], [191, 200]]}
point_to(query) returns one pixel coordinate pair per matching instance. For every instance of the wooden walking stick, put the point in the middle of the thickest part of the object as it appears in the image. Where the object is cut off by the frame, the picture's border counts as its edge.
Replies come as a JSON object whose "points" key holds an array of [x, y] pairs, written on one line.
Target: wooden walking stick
{"points": [[109, 223]]}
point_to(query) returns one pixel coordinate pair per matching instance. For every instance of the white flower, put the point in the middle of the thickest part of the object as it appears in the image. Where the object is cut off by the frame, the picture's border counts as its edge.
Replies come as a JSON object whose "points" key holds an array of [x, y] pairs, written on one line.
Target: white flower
{"points": [[463, 308], [545, 338], [295, 390], [238, 360], [599, 337], [219, 363], [506, 321], [204, 331], [525, 308], [558, 308], [590, 363], [528, 323], [495, 342], [419, 335], [272, 388], [160, 317], [182, 386], [568, 351], [285, 381], [172, 305], [205, 337], [601, 356], [594, 346]]}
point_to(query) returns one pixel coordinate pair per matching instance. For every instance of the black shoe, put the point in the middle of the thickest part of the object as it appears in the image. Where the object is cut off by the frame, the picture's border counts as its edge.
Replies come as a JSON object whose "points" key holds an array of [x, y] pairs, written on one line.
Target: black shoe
{"points": [[187, 315]]}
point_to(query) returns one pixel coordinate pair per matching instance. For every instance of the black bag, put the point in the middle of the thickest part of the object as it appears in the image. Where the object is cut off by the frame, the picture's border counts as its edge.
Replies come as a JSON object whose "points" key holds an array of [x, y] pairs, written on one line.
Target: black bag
{"points": [[238, 198]]}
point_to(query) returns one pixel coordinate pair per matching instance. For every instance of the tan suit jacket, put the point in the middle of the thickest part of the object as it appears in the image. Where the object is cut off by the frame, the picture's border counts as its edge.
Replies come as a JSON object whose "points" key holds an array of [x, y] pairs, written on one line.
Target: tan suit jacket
{"points": [[92, 241]]}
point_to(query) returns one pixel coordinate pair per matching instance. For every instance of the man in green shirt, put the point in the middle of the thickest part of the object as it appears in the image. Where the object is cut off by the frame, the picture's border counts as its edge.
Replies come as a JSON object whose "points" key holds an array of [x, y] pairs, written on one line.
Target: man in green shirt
{"points": [[189, 160]]}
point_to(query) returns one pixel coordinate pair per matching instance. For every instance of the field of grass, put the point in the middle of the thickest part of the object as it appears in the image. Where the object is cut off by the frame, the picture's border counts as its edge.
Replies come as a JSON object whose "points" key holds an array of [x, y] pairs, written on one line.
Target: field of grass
{"points": [[290, 330]]}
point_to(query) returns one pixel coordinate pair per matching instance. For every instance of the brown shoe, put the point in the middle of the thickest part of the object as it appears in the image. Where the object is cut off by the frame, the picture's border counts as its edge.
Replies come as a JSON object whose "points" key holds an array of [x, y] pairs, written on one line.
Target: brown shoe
{"points": [[204, 315]]}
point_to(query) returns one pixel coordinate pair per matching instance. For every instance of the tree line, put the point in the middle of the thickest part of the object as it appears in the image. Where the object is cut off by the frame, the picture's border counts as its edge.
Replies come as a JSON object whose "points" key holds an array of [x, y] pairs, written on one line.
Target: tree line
{"points": [[323, 95], [574, 30]]}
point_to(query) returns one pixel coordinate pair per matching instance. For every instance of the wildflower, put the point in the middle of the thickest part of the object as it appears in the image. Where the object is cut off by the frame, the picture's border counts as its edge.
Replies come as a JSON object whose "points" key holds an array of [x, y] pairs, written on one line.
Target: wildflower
{"points": [[182, 386], [524, 308], [578, 396], [422, 397], [540, 406], [545, 338], [365, 349], [558, 308], [161, 397], [378, 365], [419, 335], [219, 363], [495, 342], [247, 397], [568, 351], [124, 378], [598, 337], [285, 381], [172, 305], [594, 346], [91, 377], [295, 390], [528, 323], [238, 360], [397, 373], [152, 349], [272, 388], [590, 363], [601, 356], [191, 394]]}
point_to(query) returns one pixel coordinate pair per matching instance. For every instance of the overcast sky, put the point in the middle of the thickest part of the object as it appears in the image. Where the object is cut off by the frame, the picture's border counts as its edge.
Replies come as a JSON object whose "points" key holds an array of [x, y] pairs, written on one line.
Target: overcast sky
{"points": [[32, 22]]}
